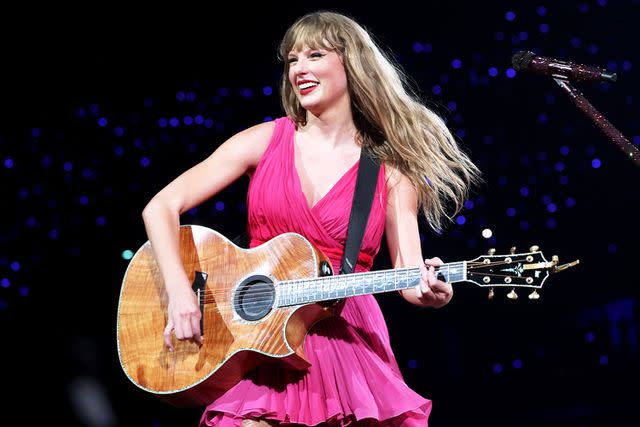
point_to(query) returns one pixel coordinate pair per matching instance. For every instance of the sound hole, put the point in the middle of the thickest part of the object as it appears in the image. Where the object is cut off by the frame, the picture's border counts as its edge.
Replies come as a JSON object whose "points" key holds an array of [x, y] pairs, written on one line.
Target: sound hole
{"points": [[254, 298]]}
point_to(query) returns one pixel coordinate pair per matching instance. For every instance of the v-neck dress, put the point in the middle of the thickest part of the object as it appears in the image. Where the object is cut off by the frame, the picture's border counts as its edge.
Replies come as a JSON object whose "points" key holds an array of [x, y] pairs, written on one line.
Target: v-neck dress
{"points": [[353, 374]]}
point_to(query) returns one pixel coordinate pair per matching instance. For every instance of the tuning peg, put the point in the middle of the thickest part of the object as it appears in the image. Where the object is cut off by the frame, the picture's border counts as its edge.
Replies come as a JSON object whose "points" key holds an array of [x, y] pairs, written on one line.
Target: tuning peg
{"points": [[490, 296], [512, 294], [534, 295], [491, 251], [534, 248], [555, 260], [512, 250]]}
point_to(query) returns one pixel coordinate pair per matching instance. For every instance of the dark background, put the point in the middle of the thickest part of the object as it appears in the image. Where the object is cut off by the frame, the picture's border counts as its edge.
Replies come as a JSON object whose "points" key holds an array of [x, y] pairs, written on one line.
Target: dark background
{"points": [[83, 148]]}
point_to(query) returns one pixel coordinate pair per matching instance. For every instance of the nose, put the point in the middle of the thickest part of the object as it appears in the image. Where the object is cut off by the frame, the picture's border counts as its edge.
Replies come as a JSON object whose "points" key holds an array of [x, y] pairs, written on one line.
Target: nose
{"points": [[300, 66]]}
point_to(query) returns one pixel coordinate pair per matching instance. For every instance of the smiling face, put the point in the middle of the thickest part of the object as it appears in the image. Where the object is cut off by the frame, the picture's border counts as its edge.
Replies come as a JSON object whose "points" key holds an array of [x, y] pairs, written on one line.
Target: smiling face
{"points": [[318, 79]]}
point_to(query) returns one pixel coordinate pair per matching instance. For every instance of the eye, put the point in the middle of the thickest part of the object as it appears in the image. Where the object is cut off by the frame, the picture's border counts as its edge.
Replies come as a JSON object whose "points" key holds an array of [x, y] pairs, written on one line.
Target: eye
{"points": [[316, 55], [290, 60]]}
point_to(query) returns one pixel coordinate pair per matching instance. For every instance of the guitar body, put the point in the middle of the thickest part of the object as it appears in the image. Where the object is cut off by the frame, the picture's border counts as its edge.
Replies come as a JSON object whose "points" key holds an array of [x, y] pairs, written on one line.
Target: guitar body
{"points": [[238, 334]]}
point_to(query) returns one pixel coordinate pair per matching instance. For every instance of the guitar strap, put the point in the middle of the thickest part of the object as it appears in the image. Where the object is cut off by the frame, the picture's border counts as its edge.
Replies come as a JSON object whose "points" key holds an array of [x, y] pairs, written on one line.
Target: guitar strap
{"points": [[368, 171]]}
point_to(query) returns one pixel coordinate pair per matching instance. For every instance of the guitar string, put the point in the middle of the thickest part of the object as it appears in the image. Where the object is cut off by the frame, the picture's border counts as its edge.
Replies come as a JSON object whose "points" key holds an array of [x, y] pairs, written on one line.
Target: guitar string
{"points": [[349, 277], [320, 284], [258, 297]]}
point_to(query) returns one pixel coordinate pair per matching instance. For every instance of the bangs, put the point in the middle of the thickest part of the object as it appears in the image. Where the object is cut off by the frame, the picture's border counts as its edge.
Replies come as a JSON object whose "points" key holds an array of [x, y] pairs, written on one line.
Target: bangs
{"points": [[312, 32]]}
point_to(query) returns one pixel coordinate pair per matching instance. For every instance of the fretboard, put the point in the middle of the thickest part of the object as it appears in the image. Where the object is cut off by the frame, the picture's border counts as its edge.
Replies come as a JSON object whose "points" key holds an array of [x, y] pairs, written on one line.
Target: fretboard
{"points": [[296, 292]]}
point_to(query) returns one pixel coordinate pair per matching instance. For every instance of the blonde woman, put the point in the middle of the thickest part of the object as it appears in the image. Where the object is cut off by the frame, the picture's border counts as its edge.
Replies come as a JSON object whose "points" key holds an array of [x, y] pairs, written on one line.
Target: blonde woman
{"points": [[341, 94]]}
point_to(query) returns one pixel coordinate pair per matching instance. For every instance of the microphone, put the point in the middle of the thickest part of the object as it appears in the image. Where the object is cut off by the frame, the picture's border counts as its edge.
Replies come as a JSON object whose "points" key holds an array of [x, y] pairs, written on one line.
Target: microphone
{"points": [[528, 61]]}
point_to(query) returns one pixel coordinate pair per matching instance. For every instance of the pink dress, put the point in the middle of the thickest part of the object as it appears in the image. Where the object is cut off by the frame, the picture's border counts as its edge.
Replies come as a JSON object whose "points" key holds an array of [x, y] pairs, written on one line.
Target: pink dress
{"points": [[353, 373]]}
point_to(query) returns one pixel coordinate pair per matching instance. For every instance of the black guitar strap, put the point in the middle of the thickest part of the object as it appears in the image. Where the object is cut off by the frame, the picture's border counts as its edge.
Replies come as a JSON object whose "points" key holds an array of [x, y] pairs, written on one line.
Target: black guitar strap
{"points": [[366, 181]]}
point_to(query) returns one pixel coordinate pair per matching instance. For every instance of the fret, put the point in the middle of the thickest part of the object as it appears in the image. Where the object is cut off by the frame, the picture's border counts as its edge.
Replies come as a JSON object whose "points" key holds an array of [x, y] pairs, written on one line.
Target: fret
{"points": [[295, 295], [312, 292], [388, 280], [326, 289], [333, 289], [371, 284], [302, 290], [378, 282]]}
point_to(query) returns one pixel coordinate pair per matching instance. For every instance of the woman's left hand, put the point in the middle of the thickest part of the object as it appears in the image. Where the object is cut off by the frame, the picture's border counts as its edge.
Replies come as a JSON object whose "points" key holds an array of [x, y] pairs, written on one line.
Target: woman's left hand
{"points": [[431, 291]]}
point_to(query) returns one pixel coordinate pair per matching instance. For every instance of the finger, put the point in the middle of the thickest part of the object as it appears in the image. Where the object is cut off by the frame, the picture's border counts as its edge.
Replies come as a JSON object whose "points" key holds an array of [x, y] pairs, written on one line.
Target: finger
{"points": [[431, 276], [167, 336], [195, 327], [186, 329], [423, 271], [178, 329], [424, 288], [437, 262]]}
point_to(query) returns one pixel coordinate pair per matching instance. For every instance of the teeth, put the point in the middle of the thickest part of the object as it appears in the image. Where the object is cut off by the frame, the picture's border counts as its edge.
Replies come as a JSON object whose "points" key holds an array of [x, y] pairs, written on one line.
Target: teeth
{"points": [[307, 85]]}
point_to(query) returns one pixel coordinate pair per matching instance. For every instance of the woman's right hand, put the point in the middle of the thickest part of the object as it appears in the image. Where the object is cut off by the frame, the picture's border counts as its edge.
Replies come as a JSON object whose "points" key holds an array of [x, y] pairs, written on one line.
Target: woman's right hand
{"points": [[183, 316]]}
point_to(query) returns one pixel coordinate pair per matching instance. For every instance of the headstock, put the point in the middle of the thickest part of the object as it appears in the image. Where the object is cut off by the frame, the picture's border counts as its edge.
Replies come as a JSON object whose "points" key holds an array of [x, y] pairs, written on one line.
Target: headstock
{"points": [[515, 270]]}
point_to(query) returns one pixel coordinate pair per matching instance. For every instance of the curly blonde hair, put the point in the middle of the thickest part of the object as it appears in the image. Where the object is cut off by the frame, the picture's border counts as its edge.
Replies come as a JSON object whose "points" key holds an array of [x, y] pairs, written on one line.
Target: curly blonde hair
{"points": [[390, 119]]}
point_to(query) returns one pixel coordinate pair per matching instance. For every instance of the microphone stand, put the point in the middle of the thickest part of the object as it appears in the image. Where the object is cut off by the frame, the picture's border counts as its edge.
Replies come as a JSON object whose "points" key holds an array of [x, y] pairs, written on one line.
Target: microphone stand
{"points": [[614, 134]]}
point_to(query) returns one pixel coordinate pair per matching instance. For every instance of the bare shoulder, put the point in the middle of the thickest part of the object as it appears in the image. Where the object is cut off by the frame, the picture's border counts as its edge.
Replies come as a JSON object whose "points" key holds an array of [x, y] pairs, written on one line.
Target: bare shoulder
{"points": [[402, 197], [391, 175], [397, 182], [251, 143]]}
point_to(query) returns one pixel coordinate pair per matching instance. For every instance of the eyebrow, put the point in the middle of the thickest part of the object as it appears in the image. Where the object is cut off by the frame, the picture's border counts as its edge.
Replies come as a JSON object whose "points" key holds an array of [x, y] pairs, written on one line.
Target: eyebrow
{"points": [[292, 53]]}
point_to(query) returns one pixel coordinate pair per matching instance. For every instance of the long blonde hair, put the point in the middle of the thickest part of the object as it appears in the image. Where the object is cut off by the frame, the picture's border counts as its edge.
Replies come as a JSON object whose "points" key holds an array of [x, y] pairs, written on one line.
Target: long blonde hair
{"points": [[391, 120]]}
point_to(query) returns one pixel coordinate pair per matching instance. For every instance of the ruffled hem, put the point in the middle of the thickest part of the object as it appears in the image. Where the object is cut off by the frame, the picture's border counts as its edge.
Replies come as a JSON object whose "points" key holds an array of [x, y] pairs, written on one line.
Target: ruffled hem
{"points": [[417, 417], [353, 376]]}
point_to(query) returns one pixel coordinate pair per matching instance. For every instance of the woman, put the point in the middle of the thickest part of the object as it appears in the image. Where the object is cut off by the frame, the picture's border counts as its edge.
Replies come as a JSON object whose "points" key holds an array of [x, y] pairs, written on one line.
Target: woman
{"points": [[340, 94]]}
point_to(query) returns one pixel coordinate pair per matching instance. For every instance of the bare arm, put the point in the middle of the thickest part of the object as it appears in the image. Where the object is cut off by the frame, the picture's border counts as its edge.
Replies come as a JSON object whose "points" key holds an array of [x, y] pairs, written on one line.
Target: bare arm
{"points": [[403, 240], [235, 157]]}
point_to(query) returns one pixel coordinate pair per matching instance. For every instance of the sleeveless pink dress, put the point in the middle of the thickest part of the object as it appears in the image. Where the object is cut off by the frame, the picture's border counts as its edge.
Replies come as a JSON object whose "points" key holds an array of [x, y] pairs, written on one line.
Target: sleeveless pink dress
{"points": [[353, 373]]}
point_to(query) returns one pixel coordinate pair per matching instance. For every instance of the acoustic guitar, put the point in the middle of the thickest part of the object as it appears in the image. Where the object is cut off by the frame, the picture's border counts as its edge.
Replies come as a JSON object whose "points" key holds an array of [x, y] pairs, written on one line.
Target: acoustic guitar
{"points": [[258, 304]]}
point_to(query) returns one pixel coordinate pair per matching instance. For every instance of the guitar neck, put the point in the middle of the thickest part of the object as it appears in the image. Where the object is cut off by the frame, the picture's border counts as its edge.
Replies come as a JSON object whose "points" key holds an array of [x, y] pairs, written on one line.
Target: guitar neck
{"points": [[295, 292]]}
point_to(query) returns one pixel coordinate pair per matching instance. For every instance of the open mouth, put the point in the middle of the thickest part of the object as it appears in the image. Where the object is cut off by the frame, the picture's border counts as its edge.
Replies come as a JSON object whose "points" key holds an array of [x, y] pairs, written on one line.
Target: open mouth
{"points": [[307, 87]]}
